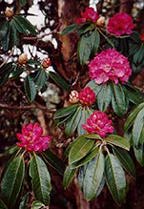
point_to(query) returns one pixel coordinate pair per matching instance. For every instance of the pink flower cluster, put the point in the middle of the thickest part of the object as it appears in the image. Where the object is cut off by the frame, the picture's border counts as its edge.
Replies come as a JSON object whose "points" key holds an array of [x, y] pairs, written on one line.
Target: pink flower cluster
{"points": [[120, 24], [31, 138], [109, 65], [98, 123], [87, 96], [88, 15]]}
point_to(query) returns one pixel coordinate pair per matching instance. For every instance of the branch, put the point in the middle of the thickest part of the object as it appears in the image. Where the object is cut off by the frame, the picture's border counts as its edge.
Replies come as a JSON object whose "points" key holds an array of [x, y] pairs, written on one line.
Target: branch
{"points": [[27, 107]]}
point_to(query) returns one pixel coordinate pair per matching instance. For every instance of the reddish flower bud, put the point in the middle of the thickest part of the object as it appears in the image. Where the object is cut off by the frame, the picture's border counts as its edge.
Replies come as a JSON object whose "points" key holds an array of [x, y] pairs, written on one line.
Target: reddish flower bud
{"points": [[87, 96], [46, 63], [101, 21], [88, 15], [74, 97], [22, 59], [9, 12]]}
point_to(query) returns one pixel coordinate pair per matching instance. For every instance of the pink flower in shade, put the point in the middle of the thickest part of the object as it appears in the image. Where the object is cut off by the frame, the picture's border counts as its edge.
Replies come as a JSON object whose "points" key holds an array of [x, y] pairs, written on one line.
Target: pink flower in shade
{"points": [[120, 24], [87, 96], [109, 65], [98, 123], [88, 15], [32, 139]]}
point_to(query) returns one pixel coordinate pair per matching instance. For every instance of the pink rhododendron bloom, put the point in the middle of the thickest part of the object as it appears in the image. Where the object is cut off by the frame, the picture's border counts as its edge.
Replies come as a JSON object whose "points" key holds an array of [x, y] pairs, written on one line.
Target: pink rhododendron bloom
{"points": [[109, 65], [88, 15], [98, 123], [120, 24], [32, 138], [87, 96]]}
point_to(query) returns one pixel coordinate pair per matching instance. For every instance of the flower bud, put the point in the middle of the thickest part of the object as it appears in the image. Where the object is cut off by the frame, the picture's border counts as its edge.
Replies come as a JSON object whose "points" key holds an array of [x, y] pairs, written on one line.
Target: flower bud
{"points": [[100, 21], [9, 12], [74, 97], [22, 59], [87, 96], [46, 63]]}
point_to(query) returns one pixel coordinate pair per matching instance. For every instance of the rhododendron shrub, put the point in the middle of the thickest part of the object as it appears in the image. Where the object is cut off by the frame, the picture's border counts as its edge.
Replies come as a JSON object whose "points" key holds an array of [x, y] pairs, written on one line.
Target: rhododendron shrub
{"points": [[72, 105]]}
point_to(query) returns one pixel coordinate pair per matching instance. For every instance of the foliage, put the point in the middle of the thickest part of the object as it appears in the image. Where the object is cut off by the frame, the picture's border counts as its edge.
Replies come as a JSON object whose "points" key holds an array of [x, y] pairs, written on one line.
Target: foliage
{"points": [[96, 160]]}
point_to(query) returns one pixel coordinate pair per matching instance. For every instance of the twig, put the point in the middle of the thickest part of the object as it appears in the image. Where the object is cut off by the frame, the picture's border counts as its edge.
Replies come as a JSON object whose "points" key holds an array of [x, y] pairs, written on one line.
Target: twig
{"points": [[27, 107]]}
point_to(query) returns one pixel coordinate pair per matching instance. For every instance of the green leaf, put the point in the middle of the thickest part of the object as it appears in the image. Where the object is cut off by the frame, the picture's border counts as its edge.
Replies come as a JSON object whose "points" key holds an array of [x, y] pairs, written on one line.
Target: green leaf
{"points": [[3, 29], [12, 181], [130, 120], [80, 149], [14, 36], [24, 201], [30, 88], [2, 205], [119, 102], [85, 28], [40, 179], [115, 178], [84, 115], [22, 2], [40, 79], [55, 162], [37, 205], [5, 35], [17, 71], [61, 82], [125, 160], [68, 176], [138, 127], [64, 112], [118, 141], [142, 136], [104, 97], [93, 176], [73, 122], [69, 29], [139, 154], [134, 95], [86, 159], [24, 26], [96, 88], [5, 71], [92, 136], [81, 175], [139, 55], [88, 46]]}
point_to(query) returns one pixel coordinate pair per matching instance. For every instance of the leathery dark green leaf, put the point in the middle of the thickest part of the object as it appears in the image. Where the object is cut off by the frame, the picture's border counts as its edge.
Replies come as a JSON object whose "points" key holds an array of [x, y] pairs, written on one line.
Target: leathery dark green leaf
{"points": [[115, 178], [93, 176], [80, 149], [41, 182]]}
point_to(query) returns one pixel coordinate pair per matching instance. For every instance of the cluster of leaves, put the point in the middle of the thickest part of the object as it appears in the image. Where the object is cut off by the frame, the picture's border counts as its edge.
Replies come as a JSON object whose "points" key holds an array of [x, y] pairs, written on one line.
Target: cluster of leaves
{"points": [[35, 79], [30, 170], [99, 163]]}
